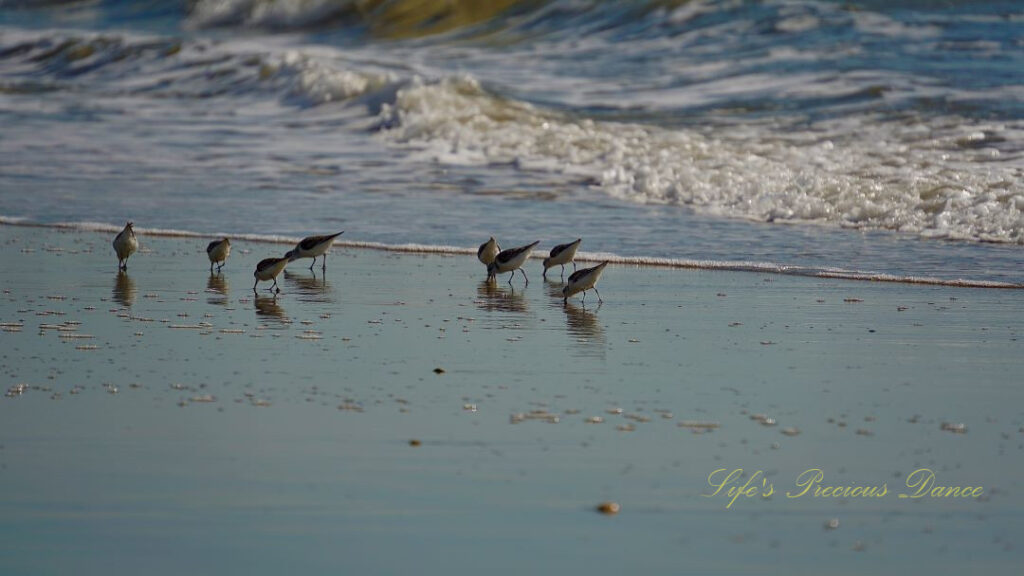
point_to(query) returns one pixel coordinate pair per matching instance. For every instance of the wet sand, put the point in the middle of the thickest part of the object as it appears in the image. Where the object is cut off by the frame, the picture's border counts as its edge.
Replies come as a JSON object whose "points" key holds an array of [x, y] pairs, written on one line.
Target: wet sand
{"points": [[398, 414]]}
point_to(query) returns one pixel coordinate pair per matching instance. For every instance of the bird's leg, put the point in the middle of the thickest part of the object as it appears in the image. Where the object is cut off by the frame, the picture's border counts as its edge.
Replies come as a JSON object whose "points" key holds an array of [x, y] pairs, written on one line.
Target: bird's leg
{"points": [[254, 286], [511, 277], [545, 274], [324, 264], [525, 276], [313, 264], [584, 296], [275, 286], [598, 295], [563, 272]]}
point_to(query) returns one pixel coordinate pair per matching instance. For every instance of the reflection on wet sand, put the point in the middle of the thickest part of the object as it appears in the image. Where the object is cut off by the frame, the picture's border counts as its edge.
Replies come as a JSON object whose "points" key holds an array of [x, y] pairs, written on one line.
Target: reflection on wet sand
{"points": [[309, 288], [217, 288], [554, 286], [585, 328], [269, 310], [491, 297], [124, 289]]}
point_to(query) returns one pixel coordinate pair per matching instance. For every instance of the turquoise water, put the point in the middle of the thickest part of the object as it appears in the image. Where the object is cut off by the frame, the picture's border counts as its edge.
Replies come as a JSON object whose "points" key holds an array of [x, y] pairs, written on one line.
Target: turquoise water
{"points": [[302, 460]]}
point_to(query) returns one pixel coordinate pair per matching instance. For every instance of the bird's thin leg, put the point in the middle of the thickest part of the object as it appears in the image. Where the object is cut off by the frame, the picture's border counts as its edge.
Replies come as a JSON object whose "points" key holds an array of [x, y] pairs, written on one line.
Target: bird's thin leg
{"points": [[573, 265], [598, 295], [274, 285], [525, 276], [584, 296], [313, 264], [511, 277], [211, 266], [545, 274], [324, 264], [563, 272], [254, 286]]}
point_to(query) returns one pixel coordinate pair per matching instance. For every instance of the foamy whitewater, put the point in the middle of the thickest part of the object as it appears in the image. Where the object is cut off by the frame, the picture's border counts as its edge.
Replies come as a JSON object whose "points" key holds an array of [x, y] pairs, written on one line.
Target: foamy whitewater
{"points": [[888, 136]]}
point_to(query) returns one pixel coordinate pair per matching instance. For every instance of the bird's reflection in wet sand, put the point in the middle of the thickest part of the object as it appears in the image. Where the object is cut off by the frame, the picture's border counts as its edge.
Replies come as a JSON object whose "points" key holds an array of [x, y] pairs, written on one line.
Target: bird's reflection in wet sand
{"points": [[309, 287], [585, 328], [124, 289], [495, 296], [217, 289], [269, 311], [554, 286]]}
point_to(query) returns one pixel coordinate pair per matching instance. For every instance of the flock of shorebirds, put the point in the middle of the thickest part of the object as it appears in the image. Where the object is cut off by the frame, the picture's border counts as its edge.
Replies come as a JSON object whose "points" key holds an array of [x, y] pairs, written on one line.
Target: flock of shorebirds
{"points": [[498, 261]]}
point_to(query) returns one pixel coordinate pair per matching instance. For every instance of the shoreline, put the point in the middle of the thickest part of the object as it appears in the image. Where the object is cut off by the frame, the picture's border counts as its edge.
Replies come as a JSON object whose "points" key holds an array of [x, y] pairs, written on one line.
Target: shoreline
{"points": [[583, 256]]}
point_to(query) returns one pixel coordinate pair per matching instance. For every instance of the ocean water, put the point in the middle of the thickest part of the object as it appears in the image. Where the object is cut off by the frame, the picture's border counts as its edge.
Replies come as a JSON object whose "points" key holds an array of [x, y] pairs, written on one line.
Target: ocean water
{"points": [[862, 138]]}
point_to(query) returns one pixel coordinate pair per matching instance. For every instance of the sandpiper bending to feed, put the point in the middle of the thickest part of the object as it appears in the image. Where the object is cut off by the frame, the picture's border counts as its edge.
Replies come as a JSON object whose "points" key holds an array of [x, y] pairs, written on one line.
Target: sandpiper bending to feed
{"points": [[125, 244], [583, 280], [312, 247], [488, 251], [562, 255], [268, 269], [510, 260], [218, 251]]}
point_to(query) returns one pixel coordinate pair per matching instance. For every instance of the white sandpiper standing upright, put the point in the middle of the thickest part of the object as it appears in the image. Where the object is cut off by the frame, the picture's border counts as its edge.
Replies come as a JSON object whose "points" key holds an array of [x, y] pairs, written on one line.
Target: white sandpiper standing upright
{"points": [[510, 260], [218, 251], [125, 244], [268, 269], [311, 247], [562, 255], [583, 280]]}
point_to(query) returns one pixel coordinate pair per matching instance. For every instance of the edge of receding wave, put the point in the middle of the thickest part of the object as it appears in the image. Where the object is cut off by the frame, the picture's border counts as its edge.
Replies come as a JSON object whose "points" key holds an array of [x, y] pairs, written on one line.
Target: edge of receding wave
{"points": [[639, 261]]}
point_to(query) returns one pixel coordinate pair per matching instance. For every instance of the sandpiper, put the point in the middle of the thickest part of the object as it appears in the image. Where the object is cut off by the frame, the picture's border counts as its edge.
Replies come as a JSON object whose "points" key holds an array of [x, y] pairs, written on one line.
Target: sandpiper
{"points": [[125, 244], [562, 255], [487, 251], [218, 251], [510, 260], [268, 269], [312, 247], [583, 280]]}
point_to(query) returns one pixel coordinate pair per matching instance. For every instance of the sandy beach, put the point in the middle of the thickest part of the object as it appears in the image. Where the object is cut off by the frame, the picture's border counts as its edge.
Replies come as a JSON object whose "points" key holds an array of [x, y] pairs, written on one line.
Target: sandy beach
{"points": [[398, 414]]}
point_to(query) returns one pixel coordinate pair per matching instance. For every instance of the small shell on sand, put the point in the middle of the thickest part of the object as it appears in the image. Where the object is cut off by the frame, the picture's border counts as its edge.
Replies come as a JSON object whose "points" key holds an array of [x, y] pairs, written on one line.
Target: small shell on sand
{"points": [[609, 508], [958, 428]]}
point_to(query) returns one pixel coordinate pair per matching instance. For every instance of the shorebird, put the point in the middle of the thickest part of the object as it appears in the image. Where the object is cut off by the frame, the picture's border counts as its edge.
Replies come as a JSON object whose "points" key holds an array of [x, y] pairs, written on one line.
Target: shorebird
{"points": [[487, 251], [268, 269], [510, 260], [583, 280], [312, 247], [125, 244], [218, 251], [562, 254]]}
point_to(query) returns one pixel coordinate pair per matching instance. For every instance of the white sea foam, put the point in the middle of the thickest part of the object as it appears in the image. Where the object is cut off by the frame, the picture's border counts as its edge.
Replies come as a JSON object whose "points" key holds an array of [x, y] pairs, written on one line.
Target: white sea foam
{"points": [[936, 179], [269, 13], [638, 261]]}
